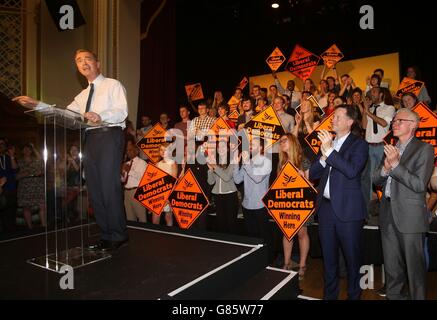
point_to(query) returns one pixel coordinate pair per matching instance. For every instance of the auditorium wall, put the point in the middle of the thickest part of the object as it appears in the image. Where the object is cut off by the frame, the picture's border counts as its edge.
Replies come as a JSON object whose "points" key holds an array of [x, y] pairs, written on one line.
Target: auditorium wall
{"points": [[112, 30]]}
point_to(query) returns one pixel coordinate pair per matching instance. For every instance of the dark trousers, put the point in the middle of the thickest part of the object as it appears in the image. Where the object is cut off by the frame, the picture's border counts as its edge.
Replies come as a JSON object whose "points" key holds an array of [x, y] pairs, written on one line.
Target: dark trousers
{"points": [[227, 211], [102, 163], [256, 222], [8, 213], [335, 234], [404, 262], [274, 172], [200, 172]]}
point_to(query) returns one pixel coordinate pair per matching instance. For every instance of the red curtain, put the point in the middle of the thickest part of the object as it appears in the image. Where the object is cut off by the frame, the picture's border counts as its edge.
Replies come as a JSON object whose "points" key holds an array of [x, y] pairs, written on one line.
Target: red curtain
{"points": [[158, 61]]}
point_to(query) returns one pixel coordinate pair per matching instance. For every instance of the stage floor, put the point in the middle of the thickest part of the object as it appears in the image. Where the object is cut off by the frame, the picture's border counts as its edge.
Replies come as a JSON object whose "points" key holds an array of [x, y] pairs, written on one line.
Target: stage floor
{"points": [[157, 263]]}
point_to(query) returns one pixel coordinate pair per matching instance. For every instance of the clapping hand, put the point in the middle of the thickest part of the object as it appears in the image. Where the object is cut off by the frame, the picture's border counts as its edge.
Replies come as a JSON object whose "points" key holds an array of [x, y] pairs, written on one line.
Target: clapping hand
{"points": [[211, 161], [298, 118], [326, 138], [392, 157], [245, 156], [367, 104]]}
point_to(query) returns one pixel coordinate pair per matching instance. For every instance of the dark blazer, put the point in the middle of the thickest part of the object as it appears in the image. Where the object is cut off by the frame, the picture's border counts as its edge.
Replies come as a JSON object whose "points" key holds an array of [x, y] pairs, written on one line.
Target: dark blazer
{"points": [[242, 118], [345, 180], [408, 188]]}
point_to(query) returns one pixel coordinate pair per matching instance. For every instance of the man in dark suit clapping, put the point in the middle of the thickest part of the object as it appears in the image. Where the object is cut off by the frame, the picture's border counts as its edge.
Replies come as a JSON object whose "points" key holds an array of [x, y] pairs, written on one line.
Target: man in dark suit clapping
{"points": [[340, 204]]}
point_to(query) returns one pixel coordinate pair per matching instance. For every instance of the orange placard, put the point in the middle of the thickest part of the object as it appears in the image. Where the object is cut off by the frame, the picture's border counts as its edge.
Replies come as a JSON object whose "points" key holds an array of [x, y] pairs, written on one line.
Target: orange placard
{"points": [[317, 109], [291, 200], [276, 59], [379, 194], [427, 130], [266, 125], [194, 91], [243, 83], [313, 140], [233, 103], [221, 131], [233, 116], [302, 62], [409, 85], [332, 56], [151, 142], [187, 200], [154, 189]]}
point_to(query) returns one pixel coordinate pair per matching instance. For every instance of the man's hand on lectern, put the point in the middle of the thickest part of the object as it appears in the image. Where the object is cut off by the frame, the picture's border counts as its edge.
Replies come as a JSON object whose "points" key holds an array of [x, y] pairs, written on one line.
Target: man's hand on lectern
{"points": [[26, 101], [93, 117]]}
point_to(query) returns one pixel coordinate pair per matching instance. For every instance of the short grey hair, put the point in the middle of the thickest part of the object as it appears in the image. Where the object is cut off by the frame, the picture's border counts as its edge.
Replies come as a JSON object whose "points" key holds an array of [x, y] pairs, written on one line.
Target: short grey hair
{"points": [[412, 113]]}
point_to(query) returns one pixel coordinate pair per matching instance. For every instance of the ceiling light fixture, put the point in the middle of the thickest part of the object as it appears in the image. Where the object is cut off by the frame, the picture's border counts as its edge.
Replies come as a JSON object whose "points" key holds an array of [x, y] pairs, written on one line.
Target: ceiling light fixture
{"points": [[275, 5]]}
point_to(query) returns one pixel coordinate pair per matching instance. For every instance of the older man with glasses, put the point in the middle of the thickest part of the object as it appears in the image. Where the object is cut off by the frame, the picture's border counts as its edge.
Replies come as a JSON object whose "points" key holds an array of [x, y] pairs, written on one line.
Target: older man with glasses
{"points": [[404, 174]]}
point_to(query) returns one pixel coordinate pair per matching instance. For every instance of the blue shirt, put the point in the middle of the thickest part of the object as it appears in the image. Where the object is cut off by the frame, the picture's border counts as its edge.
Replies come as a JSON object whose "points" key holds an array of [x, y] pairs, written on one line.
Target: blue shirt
{"points": [[7, 171]]}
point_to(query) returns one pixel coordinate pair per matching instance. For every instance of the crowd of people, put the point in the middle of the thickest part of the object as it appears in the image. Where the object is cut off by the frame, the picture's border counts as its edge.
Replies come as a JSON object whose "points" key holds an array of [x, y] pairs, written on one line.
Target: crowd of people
{"points": [[348, 171], [24, 189], [362, 118]]}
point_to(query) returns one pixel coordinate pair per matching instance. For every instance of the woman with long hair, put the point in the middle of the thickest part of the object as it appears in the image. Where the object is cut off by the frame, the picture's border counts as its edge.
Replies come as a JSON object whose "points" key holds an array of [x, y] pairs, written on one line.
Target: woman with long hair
{"points": [[290, 150], [30, 192], [223, 111], [220, 175], [409, 100], [330, 107], [322, 96], [218, 99], [310, 86], [168, 165], [306, 122]]}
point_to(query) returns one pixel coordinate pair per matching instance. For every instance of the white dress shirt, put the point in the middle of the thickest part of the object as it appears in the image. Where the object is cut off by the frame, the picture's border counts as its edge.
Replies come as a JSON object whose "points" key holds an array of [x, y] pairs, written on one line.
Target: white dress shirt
{"points": [[108, 101], [295, 96], [385, 112], [136, 172], [336, 145], [401, 148]]}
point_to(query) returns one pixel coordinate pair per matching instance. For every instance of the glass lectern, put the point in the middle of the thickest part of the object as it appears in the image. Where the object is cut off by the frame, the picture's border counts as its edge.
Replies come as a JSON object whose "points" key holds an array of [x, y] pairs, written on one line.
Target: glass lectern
{"points": [[68, 218]]}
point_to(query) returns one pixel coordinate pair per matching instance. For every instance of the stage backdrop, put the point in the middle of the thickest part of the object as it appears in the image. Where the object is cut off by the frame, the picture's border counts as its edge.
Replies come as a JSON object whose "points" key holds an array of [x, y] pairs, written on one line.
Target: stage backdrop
{"points": [[358, 69]]}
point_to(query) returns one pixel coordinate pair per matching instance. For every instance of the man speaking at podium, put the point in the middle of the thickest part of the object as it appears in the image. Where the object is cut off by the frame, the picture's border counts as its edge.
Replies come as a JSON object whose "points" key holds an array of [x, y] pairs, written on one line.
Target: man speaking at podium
{"points": [[104, 100]]}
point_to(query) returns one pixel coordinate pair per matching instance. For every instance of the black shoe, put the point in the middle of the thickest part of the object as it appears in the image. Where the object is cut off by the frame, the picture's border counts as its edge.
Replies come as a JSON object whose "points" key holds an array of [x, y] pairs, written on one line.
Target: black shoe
{"points": [[382, 291], [115, 245], [102, 245]]}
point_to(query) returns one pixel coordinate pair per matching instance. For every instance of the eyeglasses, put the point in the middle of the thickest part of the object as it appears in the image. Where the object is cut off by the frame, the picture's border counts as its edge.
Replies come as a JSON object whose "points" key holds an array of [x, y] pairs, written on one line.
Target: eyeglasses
{"points": [[399, 121]]}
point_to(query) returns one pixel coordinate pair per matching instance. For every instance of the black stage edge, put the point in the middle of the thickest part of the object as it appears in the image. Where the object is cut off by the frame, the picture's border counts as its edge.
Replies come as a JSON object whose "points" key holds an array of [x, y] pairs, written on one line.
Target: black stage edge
{"points": [[158, 263], [269, 284]]}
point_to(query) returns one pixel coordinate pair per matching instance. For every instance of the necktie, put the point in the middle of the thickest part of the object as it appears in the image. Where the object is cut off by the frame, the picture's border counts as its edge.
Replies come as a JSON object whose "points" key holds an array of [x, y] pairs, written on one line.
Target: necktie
{"points": [[127, 172], [375, 125], [90, 96]]}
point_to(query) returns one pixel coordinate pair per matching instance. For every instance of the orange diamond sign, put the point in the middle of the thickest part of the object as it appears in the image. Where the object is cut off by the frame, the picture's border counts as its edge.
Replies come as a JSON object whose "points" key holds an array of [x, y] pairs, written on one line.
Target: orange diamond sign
{"points": [[154, 189], [151, 142], [194, 91], [276, 59], [187, 200], [312, 138], [291, 200], [302, 62], [409, 85], [427, 130], [265, 125], [332, 56], [233, 116], [243, 83], [317, 109]]}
